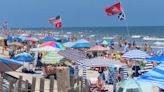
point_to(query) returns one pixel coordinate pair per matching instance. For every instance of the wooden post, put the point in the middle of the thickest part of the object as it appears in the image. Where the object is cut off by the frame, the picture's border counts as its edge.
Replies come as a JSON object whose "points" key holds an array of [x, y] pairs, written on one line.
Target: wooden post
{"points": [[26, 86], [33, 84], [63, 79], [19, 84], [41, 84], [1, 86], [51, 83], [11, 87]]}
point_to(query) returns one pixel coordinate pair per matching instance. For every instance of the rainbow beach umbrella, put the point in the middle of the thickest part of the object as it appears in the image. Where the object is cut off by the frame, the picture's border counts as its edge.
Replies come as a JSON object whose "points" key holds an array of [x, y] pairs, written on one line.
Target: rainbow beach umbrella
{"points": [[53, 44]]}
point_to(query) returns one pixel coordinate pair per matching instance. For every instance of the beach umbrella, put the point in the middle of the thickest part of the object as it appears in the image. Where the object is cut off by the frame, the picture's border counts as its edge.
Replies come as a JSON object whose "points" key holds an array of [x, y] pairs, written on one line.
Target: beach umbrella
{"points": [[69, 44], [82, 44], [9, 65], [100, 62], [133, 85], [98, 48], [32, 39], [73, 54], [103, 42], [158, 52], [2, 38], [53, 44], [52, 58], [46, 39], [135, 55], [45, 49], [158, 59], [155, 76], [24, 57]]}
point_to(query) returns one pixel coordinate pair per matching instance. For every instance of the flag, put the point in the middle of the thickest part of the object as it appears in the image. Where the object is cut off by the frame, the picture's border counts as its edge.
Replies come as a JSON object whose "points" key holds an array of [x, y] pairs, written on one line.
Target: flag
{"points": [[114, 9], [121, 16], [56, 21]]}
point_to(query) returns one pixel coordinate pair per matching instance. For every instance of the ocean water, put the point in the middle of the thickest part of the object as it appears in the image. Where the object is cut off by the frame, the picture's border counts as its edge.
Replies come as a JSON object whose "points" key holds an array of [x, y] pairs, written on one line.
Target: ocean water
{"points": [[125, 32], [154, 31]]}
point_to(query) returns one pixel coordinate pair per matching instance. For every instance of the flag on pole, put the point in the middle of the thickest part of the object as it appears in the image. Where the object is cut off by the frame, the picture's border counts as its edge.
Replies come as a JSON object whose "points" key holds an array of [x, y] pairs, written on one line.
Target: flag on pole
{"points": [[121, 16], [114, 9], [56, 21]]}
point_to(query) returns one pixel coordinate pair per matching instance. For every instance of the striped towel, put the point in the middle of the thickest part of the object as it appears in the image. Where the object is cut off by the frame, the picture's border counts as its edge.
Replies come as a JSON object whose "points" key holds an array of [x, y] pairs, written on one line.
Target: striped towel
{"points": [[148, 67]]}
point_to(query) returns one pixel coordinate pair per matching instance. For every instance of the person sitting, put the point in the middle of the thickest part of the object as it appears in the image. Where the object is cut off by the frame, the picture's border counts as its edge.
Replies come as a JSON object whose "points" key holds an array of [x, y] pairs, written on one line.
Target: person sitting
{"points": [[100, 84]]}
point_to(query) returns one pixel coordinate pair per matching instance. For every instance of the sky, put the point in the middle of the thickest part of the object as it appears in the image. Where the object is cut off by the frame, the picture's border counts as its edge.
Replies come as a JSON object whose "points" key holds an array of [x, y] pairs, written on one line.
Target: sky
{"points": [[80, 13]]}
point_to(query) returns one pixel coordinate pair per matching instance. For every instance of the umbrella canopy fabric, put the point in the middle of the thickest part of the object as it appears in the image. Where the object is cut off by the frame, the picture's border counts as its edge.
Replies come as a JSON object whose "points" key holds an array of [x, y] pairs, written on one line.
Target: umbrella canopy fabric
{"points": [[15, 44], [158, 59], [9, 65], [100, 62], [24, 57], [69, 44], [52, 58], [53, 44], [158, 52], [98, 48], [133, 85], [45, 49], [46, 39], [103, 42], [73, 54], [155, 76], [82, 44], [135, 55]]}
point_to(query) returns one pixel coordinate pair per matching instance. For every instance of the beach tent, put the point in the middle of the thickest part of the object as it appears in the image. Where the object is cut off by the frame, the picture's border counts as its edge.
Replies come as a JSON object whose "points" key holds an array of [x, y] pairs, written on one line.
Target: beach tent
{"points": [[82, 44], [158, 59], [45, 49], [133, 85], [135, 55], [73, 54], [155, 76], [46, 39], [9, 65]]}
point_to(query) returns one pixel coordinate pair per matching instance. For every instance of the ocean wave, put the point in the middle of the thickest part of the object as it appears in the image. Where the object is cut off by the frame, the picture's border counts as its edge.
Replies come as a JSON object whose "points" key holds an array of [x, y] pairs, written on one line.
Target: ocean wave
{"points": [[159, 43], [136, 36], [153, 38]]}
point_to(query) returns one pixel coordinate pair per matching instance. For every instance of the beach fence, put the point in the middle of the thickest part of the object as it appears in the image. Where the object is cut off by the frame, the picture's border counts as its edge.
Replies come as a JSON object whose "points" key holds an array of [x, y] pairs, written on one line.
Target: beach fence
{"points": [[64, 83]]}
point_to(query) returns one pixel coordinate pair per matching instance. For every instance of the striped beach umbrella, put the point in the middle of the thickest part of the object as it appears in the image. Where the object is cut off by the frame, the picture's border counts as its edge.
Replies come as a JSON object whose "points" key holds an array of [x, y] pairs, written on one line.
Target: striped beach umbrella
{"points": [[24, 57], [52, 58], [135, 55]]}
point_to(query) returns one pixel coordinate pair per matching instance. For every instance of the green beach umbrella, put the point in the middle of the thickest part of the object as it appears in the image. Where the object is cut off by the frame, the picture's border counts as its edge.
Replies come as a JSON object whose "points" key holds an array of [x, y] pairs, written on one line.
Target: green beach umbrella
{"points": [[52, 58]]}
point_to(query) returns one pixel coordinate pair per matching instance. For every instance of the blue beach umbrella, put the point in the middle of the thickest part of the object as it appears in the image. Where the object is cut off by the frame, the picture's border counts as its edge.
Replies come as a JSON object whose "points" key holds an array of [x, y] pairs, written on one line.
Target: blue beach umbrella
{"points": [[46, 39], [82, 44], [24, 57], [158, 59]]}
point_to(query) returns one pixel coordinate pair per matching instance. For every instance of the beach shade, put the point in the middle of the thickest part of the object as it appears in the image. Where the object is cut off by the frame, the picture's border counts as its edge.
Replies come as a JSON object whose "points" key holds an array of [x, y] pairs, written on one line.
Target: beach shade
{"points": [[9, 65], [69, 44], [53, 44], [133, 85], [46, 39], [100, 62], [2, 38], [155, 76], [45, 49], [103, 42], [157, 59], [25, 35], [82, 44], [10, 38], [135, 55], [24, 57], [73, 54], [158, 52], [15, 44], [98, 48], [21, 39], [52, 58]]}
